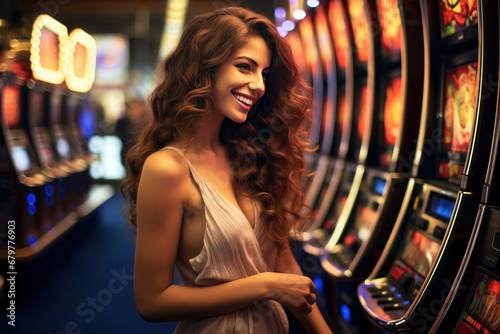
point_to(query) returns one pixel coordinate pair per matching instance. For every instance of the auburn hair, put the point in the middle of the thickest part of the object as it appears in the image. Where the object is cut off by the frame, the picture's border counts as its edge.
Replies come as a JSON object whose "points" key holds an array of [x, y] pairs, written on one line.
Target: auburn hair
{"points": [[266, 151]]}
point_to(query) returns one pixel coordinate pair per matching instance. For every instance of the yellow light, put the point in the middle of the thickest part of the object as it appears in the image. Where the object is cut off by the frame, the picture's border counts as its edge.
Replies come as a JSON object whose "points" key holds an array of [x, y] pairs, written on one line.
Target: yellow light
{"points": [[80, 78], [49, 40]]}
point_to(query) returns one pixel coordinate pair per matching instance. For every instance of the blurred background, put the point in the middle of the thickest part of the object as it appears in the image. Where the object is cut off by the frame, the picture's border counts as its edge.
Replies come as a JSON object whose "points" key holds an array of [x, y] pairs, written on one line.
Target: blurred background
{"points": [[403, 233]]}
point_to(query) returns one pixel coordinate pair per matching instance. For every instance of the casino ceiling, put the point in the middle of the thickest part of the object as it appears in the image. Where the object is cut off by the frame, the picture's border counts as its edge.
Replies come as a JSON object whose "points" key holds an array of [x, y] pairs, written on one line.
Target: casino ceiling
{"points": [[141, 20]]}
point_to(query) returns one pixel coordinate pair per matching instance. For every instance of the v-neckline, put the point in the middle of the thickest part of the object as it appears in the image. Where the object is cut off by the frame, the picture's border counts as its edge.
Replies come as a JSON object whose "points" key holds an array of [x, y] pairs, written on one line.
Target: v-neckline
{"points": [[238, 208]]}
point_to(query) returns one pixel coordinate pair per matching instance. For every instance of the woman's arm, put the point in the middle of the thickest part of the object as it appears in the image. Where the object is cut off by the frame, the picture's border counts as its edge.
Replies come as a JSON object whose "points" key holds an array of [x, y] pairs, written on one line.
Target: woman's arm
{"points": [[313, 322], [161, 198]]}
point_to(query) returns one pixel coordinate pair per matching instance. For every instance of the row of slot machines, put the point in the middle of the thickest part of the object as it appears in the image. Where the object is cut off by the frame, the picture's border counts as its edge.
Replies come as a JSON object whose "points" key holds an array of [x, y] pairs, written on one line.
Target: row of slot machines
{"points": [[404, 234], [44, 157]]}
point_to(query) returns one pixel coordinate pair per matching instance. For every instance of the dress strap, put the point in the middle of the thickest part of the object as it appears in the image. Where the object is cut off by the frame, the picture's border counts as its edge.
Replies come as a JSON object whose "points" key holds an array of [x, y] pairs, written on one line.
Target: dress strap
{"points": [[190, 165]]}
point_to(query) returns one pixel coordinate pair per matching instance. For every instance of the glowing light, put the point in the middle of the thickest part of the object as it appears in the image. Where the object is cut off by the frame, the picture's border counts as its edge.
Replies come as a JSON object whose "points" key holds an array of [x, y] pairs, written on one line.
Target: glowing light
{"points": [[346, 313], [280, 13], [313, 3], [81, 61], [282, 31], [31, 198], [32, 240], [299, 14], [175, 13], [288, 25], [339, 30], [49, 40], [31, 209], [49, 189], [318, 282]]}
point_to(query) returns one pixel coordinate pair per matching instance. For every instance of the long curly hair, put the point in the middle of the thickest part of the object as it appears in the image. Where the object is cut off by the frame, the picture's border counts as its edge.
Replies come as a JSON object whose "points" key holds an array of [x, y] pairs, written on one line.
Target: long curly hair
{"points": [[266, 151]]}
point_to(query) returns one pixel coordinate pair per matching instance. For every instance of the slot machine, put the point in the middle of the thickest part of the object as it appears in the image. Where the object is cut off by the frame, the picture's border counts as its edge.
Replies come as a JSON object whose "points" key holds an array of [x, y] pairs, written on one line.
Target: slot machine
{"points": [[472, 303], [318, 137], [353, 104], [356, 242], [409, 283], [293, 37], [24, 180], [47, 59], [332, 153], [337, 62], [368, 215], [66, 124], [21, 178]]}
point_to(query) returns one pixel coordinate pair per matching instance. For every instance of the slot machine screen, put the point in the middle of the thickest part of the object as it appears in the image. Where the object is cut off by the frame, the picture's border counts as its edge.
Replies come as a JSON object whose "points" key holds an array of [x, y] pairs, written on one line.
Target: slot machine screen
{"points": [[362, 112], [11, 108], [293, 38], [44, 149], [338, 26], [332, 219], [55, 109], [440, 207], [360, 28], [36, 104], [393, 111], [390, 22], [419, 252], [378, 186], [457, 15], [21, 158], [459, 107], [309, 43], [482, 312], [49, 49], [365, 218], [360, 230]]}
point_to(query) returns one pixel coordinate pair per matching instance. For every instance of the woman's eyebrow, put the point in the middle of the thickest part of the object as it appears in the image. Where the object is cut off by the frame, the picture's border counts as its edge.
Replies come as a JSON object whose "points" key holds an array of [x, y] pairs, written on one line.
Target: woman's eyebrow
{"points": [[252, 61]]}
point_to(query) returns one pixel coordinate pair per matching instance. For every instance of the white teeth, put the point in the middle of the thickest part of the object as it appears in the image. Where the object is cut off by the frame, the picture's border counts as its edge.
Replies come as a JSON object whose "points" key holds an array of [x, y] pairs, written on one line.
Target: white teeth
{"points": [[243, 99]]}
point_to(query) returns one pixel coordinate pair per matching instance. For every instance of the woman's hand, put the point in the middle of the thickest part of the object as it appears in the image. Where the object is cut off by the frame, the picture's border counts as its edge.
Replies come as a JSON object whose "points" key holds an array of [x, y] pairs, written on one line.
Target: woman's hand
{"points": [[296, 292]]}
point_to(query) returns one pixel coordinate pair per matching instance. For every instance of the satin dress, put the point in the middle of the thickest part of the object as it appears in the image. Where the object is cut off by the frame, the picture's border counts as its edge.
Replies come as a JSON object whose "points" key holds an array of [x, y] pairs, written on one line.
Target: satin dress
{"points": [[232, 249]]}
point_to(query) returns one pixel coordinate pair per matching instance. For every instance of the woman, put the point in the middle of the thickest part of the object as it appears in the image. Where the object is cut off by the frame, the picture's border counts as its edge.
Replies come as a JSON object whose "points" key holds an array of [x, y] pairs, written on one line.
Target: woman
{"points": [[214, 183]]}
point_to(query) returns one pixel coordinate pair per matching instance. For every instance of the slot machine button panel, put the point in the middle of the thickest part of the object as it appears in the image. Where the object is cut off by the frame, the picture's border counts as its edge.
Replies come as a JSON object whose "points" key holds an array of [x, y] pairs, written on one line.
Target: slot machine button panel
{"points": [[422, 223], [390, 300], [378, 288], [439, 232], [340, 258], [407, 282], [396, 306]]}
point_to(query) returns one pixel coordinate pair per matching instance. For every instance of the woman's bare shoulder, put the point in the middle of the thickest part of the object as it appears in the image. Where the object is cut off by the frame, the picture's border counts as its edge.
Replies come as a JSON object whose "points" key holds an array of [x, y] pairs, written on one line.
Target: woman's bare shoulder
{"points": [[165, 168]]}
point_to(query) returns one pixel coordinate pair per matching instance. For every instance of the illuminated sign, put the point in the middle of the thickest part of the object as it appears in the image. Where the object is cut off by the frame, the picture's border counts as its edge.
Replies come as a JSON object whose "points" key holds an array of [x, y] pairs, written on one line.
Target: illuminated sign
{"points": [[393, 111], [49, 40], [390, 22], [81, 61], [459, 108], [339, 30], [457, 15], [360, 28]]}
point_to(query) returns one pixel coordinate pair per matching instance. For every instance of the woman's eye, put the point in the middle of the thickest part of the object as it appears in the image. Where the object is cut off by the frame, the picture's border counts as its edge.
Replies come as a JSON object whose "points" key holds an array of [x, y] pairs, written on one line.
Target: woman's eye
{"points": [[244, 66]]}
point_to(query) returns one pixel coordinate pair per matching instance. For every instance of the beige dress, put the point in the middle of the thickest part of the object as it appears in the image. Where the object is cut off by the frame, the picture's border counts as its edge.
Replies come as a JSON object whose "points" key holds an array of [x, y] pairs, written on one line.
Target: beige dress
{"points": [[232, 249]]}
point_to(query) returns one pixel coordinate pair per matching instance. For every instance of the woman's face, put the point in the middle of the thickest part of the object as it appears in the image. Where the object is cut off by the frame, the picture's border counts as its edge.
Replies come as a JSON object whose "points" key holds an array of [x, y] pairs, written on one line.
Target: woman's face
{"points": [[241, 81]]}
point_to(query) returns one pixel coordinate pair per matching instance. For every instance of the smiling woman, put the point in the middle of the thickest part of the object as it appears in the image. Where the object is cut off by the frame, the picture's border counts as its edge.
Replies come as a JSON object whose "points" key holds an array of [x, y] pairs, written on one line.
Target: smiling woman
{"points": [[214, 182], [242, 78]]}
